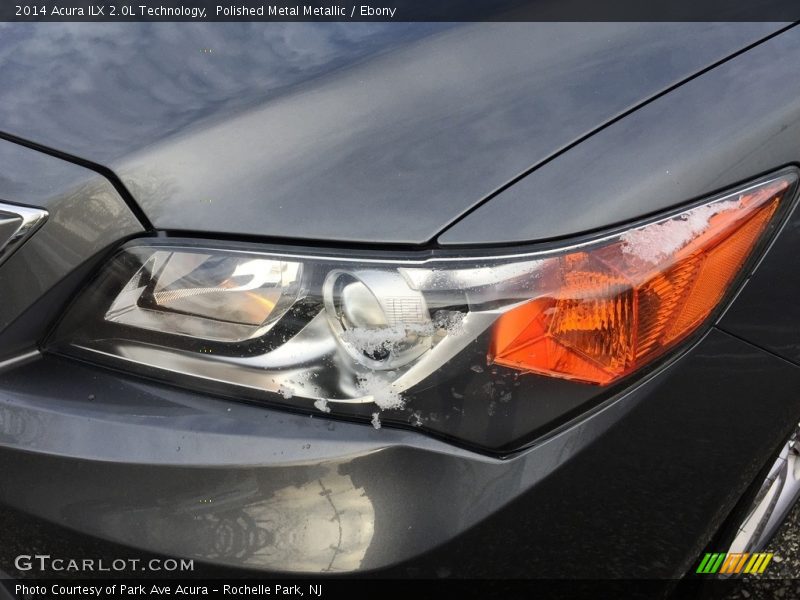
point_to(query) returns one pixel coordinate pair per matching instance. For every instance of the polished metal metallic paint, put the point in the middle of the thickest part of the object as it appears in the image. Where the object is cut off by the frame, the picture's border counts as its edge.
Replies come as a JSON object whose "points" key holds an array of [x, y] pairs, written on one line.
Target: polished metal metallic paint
{"points": [[724, 127], [172, 472], [86, 216], [636, 488], [767, 311], [377, 133]]}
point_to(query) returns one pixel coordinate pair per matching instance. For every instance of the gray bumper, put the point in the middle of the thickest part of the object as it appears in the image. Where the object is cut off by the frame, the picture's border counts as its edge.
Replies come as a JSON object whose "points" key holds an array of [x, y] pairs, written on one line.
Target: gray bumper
{"points": [[171, 472]]}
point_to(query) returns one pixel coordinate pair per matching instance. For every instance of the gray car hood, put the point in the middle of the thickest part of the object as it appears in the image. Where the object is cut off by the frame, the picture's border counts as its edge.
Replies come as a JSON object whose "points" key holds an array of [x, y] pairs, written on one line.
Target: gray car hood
{"points": [[370, 133]]}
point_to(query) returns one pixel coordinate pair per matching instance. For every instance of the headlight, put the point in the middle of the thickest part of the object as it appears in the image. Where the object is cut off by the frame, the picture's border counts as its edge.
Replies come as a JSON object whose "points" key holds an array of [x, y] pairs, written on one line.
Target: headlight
{"points": [[487, 350], [211, 296]]}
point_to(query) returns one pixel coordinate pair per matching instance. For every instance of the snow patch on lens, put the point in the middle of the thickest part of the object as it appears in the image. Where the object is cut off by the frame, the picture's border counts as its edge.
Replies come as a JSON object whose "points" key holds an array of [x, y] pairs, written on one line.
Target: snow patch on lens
{"points": [[378, 342], [382, 392], [376, 420], [448, 322], [653, 243], [322, 404]]}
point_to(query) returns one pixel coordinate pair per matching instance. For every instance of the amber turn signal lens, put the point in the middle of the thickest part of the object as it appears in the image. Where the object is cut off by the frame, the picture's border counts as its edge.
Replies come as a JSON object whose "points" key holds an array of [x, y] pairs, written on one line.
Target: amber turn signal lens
{"points": [[610, 308]]}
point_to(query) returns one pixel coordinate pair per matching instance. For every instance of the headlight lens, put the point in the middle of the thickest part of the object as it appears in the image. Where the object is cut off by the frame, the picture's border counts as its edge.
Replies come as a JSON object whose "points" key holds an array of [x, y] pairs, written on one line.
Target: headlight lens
{"points": [[438, 341], [208, 296]]}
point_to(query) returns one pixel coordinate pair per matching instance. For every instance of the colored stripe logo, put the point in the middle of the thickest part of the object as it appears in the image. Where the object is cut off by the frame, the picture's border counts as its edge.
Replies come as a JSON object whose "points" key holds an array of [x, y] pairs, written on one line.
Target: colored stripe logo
{"points": [[734, 563]]}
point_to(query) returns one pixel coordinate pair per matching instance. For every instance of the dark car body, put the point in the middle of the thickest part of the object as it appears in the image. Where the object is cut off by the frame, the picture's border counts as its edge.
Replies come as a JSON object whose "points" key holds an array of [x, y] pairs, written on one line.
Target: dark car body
{"points": [[391, 138]]}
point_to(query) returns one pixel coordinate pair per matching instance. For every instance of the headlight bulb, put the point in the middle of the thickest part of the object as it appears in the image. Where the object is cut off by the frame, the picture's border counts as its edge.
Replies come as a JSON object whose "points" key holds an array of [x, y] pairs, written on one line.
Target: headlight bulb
{"points": [[378, 320]]}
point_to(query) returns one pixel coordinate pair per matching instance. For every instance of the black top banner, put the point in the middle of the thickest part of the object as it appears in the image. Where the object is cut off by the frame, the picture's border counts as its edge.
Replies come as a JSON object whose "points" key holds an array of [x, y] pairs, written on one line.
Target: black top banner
{"points": [[400, 10]]}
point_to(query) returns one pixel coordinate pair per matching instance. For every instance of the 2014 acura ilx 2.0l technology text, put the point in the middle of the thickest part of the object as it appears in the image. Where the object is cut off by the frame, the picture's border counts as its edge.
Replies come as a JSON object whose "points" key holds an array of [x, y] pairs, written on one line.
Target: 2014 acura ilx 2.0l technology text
{"points": [[476, 299]]}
